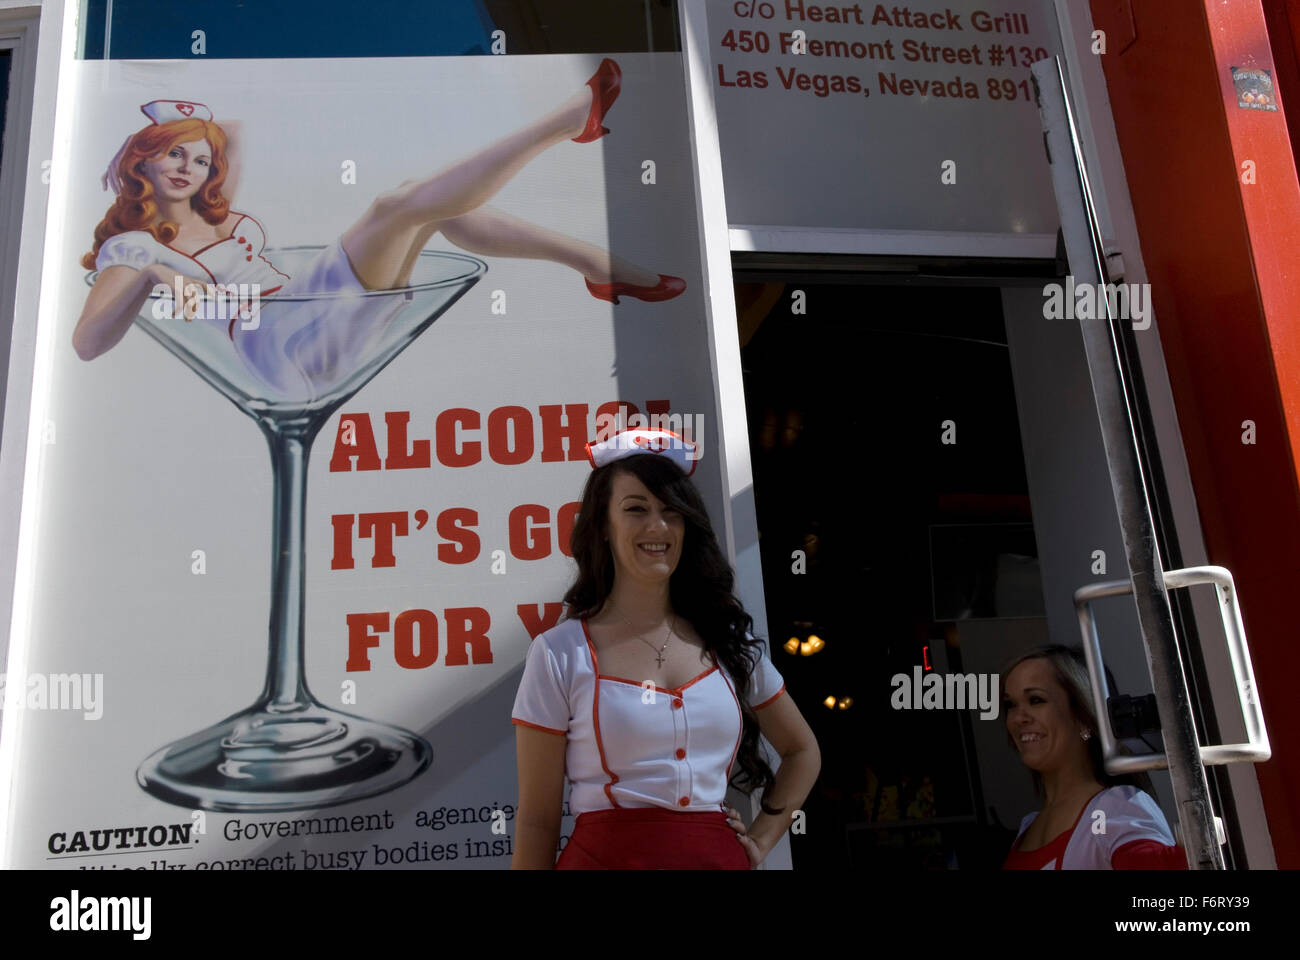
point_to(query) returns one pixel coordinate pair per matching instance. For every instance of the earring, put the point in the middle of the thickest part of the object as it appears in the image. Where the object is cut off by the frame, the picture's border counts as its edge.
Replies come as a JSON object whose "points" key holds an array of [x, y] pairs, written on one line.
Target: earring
{"points": [[1085, 734]]}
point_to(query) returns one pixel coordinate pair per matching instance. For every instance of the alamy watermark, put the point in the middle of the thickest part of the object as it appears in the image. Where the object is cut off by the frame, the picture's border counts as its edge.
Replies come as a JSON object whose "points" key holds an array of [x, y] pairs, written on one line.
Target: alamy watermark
{"points": [[952, 691], [1089, 301], [75, 913], [211, 301], [54, 691], [687, 428]]}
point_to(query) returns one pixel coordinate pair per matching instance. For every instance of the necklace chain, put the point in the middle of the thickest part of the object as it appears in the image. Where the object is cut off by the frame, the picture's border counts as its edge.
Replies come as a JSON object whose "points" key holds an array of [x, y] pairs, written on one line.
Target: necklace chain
{"points": [[659, 654]]}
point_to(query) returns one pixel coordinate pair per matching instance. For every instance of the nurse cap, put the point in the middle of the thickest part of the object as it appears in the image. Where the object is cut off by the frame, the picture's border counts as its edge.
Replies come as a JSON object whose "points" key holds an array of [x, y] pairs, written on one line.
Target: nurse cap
{"points": [[627, 443], [166, 111], [158, 111]]}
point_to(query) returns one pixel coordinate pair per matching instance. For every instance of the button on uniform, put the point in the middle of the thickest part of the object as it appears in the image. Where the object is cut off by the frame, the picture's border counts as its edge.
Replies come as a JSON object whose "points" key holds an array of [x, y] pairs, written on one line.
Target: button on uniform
{"points": [[684, 801], [681, 754]]}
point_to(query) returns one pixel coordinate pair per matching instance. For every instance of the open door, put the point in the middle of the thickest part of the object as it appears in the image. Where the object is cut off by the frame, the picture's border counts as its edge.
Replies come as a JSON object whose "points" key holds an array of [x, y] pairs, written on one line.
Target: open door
{"points": [[1107, 326]]}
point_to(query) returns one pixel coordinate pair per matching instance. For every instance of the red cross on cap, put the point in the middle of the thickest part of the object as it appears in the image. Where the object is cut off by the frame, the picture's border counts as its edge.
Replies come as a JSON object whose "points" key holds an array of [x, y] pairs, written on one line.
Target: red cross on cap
{"points": [[165, 111]]}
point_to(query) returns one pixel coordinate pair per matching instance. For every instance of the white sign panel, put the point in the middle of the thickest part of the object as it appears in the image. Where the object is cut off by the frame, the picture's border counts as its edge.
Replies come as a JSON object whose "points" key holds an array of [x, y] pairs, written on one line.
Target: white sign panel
{"points": [[297, 529], [883, 118]]}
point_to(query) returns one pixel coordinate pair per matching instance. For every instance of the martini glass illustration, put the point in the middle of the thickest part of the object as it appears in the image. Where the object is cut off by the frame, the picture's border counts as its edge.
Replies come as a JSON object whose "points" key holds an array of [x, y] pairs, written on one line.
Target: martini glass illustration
{"points": [[306, 356]]}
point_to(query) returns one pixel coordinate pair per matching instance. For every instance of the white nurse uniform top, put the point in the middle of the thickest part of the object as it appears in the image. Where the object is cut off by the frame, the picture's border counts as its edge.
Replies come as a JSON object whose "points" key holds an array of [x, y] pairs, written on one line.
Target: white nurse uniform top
{"points": [[631, 744], [235, 259]]}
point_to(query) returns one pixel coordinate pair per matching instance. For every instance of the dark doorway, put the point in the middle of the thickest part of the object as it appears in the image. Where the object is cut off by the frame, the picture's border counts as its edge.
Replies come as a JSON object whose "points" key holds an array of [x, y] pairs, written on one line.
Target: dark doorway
{"points": [[850, 403]]}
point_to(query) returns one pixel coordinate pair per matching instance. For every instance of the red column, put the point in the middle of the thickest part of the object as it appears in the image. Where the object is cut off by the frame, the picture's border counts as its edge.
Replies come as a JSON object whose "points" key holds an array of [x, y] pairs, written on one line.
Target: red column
{"points": [[1283, 20], [1223, 258]]}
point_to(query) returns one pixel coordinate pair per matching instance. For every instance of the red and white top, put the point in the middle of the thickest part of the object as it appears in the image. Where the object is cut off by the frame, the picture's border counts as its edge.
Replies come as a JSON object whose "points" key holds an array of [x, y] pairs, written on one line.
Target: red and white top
{"points": [[1120, 828], [633, 744]]}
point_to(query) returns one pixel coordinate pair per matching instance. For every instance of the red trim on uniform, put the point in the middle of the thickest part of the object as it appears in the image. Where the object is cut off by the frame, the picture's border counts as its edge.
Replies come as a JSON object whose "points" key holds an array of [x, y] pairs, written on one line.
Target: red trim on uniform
{"points": [[688, 683], [228, 236], [242, 217], [538, 726], [635, 683], [770, 699], [195, 255], [595, 715], [675, 691], [1036, 859], [211, 275], [741, 715], [590, 457], [1148, 855], [270, 264]]}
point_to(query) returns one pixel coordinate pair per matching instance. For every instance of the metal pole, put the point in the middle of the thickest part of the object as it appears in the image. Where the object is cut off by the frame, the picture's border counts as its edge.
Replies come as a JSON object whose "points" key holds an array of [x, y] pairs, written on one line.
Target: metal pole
{"points": [[1106, 366]]}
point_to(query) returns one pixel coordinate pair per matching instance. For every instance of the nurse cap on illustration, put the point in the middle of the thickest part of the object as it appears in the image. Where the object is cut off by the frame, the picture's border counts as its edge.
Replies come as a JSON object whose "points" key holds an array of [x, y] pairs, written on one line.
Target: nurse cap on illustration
{"points": [[626, 443]]}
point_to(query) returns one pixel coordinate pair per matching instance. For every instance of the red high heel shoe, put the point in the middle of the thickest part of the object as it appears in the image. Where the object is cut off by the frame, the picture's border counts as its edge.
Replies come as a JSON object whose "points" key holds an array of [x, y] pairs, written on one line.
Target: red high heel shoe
{"points": [[667, 288], [604, 83]]}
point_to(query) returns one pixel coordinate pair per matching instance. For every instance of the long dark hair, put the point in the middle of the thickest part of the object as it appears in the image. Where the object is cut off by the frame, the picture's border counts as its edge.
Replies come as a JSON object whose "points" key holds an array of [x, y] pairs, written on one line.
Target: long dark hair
{"points": [[701, 589], [1071, 669]]}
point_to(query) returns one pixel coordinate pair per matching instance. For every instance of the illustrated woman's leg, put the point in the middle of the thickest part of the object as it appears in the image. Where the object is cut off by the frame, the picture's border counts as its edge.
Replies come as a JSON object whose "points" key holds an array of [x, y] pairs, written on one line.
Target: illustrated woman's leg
{"points": [[417, 244], [379, 244], [490, 232]]}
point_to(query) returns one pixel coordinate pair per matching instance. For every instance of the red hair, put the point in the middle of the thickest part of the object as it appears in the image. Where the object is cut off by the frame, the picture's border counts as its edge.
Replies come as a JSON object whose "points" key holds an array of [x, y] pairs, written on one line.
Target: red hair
{"points": [[135, 207]]}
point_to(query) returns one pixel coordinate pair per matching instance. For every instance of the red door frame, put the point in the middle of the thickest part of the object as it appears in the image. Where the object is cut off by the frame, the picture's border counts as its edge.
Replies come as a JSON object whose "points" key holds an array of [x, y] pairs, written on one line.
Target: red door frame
{"points": [[1223, 257]]}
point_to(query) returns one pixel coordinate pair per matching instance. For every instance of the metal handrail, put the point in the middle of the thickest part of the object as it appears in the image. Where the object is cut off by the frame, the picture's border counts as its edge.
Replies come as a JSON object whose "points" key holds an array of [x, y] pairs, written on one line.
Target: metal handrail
{"points": [[1254, 750]]}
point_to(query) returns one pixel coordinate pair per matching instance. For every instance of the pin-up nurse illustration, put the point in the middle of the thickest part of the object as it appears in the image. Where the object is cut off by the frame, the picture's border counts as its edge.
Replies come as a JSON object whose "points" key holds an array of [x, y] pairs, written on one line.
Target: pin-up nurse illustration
{"points": [[172, 219]]}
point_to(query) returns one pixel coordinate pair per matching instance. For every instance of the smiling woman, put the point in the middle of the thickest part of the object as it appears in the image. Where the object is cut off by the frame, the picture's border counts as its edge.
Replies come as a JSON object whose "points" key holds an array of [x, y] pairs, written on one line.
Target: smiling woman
{"points": [[1051, 723], [652, 687]]}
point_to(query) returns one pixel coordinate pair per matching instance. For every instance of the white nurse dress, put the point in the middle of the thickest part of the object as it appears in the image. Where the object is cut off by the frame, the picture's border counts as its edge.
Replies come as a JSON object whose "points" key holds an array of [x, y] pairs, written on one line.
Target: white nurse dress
{"points": [[631, 744]]}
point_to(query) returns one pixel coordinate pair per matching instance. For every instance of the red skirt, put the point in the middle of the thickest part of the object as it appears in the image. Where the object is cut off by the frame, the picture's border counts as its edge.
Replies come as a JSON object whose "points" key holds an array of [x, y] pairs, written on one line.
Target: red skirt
{"points": [[652, 838]]}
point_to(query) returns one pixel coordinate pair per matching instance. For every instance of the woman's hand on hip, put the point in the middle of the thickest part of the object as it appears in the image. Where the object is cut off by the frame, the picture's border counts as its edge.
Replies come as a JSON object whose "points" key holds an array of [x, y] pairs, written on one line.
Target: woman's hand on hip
{"points": [[753, 849]]}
